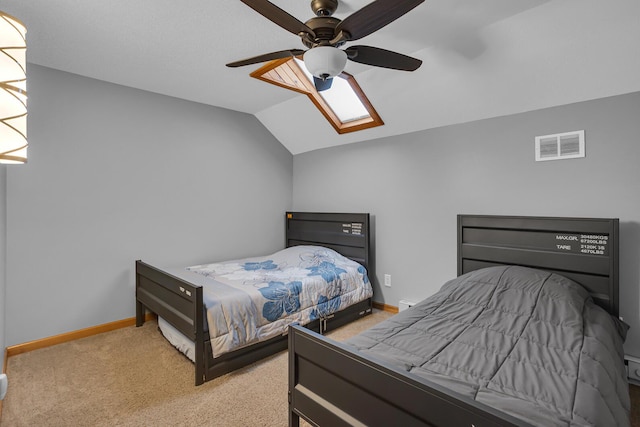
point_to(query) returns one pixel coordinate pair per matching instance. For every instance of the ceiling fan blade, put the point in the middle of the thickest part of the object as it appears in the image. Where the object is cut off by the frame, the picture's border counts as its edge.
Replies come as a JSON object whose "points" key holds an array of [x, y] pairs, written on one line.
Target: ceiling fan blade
{"points": [[374, 16], [266, 57], [382, 58], [278, 16]]}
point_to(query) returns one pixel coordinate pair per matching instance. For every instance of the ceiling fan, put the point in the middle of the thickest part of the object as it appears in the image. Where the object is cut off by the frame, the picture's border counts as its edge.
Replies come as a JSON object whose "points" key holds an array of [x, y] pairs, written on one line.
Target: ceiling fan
{"points": [[324, 34]]}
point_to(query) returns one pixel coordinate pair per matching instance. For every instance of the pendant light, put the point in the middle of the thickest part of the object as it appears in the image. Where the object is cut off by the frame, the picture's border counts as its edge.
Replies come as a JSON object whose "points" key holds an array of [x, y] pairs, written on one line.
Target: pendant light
{"points": [[13, 90]]}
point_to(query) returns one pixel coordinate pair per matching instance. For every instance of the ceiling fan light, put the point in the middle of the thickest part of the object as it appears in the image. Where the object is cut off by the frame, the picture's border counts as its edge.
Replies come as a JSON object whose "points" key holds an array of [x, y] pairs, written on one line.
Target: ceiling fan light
{"points": [[325, 61]]}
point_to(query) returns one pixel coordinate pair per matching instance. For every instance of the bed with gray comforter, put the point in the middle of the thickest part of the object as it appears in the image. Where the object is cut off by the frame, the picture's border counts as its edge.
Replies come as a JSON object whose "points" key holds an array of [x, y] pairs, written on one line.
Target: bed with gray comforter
{"points": [[529, 343]]}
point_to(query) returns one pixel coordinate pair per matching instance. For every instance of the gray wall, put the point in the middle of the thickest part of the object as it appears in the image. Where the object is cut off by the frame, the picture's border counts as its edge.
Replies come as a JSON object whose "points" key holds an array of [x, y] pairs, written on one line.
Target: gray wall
{"points": [[117, 174], [414, 186]]}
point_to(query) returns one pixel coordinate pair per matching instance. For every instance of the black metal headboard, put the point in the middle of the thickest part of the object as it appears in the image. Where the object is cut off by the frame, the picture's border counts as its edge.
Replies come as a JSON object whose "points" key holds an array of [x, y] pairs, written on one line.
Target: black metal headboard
{"points": [[345, 233], [582, 249]]}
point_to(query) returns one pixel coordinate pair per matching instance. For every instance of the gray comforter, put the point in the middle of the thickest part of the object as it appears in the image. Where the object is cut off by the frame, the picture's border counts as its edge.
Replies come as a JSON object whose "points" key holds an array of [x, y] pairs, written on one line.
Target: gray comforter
{"points": [[530, 343]]}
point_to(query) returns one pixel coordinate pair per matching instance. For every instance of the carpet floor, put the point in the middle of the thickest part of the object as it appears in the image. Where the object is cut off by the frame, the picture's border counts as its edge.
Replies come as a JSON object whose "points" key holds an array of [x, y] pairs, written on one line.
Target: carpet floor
{"points": [[134, 377]]}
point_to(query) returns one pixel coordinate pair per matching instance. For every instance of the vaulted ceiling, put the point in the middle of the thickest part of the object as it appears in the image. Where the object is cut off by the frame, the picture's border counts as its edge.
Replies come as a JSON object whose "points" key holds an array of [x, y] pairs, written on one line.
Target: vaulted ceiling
{"points": [[482, 58]]}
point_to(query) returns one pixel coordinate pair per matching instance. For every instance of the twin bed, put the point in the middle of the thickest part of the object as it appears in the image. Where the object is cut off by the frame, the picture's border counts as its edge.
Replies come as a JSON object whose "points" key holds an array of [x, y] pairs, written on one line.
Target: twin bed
{"points": [[229, 314], [514, 340], [527, 334]]}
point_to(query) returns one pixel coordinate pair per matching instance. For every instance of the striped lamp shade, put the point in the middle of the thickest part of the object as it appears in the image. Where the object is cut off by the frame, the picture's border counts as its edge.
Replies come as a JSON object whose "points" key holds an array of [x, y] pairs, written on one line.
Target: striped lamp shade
{"points": [[13, 90]]}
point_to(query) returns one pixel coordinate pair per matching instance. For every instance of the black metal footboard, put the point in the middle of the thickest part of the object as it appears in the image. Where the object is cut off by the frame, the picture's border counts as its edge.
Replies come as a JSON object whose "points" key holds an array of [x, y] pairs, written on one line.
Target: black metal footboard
{"points": [[333, 385], [178, 302]]}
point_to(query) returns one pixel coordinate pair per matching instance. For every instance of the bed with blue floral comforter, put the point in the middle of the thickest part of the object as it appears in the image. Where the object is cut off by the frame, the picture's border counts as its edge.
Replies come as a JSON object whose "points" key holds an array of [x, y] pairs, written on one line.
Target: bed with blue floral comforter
{"points": [[254, 299]]}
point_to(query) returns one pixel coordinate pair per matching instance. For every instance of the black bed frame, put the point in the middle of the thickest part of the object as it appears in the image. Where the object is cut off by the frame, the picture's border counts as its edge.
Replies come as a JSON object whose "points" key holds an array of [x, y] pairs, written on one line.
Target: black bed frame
{"points": [[180, 303], [331, 384]]}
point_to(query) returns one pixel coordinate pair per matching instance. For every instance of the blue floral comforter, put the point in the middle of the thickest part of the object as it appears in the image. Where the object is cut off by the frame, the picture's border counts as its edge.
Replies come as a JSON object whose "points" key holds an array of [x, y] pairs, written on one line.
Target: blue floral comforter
{"points": [[254, 299]]}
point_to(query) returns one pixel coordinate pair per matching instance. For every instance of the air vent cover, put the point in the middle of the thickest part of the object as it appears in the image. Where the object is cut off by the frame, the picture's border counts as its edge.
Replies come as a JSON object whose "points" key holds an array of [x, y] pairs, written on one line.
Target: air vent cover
{"points": [[568, 145]]}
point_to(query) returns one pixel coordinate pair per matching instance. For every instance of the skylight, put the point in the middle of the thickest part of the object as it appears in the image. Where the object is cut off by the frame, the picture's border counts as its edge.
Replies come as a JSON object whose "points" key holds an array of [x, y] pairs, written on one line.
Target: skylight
{"points": [[341, 97], [344, 105]]}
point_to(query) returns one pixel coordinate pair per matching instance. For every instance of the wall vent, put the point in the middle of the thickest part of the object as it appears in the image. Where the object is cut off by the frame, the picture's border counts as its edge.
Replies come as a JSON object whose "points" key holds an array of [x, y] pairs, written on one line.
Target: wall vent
{"points": [[567, 145]]}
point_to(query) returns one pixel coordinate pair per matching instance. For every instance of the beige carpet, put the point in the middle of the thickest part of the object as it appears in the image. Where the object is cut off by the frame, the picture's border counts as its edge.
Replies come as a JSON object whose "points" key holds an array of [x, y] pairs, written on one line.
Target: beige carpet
{"points": [[133, 376]]}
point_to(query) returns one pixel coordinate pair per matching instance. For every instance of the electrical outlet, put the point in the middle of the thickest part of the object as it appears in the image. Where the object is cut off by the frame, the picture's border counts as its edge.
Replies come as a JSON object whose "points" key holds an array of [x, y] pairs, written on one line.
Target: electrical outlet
{"points": [[387, 280], [404, 304], [4, 384]]}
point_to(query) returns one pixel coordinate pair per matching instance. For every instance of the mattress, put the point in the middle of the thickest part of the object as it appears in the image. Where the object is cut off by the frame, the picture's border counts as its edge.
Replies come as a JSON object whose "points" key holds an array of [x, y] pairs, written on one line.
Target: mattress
{"points": [[177, 339], [254, 299], [530, 343]]}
